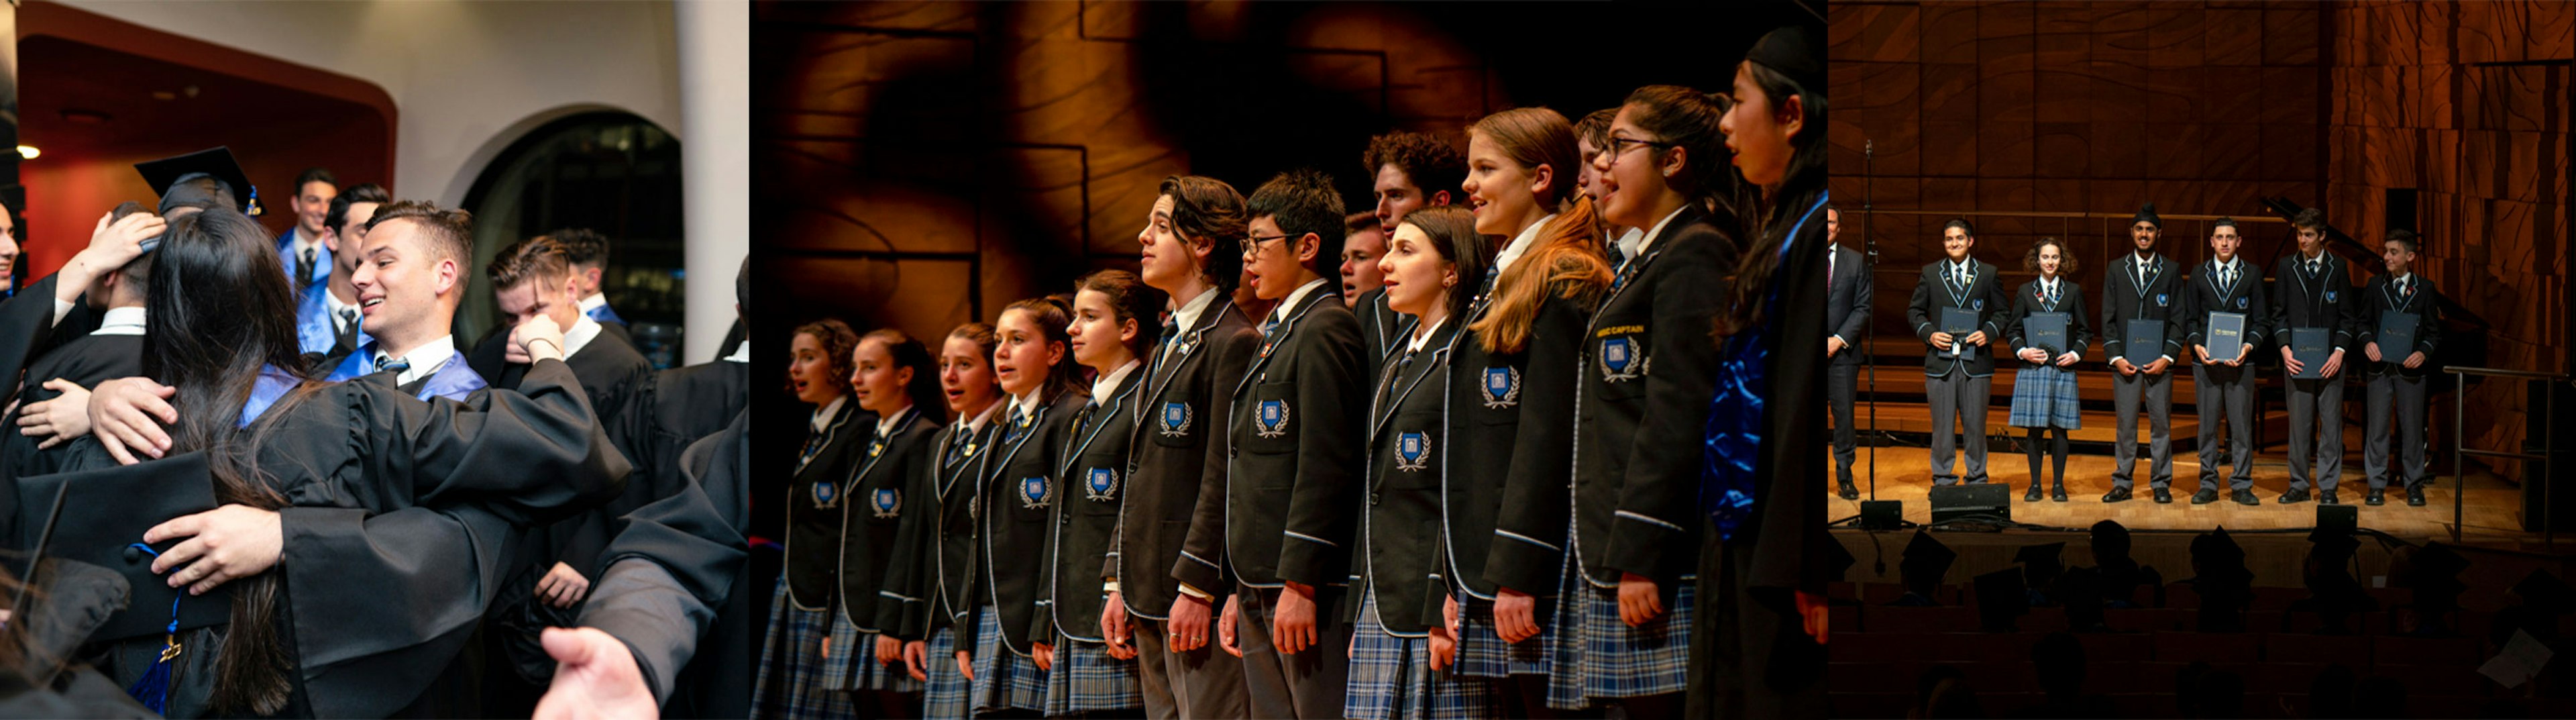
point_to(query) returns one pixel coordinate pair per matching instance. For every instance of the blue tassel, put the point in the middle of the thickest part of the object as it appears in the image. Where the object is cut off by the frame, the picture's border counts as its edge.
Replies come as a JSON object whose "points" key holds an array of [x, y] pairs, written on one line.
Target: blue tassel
{"points": [[154, 689]]}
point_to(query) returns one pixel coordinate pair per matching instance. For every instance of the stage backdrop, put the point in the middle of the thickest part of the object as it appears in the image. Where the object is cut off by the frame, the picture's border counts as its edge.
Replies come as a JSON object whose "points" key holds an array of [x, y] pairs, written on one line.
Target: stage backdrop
{"points": [[2204, 107]]}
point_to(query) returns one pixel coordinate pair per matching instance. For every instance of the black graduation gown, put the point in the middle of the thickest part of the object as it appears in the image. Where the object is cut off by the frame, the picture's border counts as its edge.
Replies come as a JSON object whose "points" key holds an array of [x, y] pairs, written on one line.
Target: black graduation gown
{"points": [[879, 495], [1409, 453], [677, 585], [1175, 453], [401, 522], [1090, 480], [1513, 416], [1648, 372], [610, 371], [1282, 510], [1014, 505], [28, 330], [672, 410], [1751, 656], [86, 360]]}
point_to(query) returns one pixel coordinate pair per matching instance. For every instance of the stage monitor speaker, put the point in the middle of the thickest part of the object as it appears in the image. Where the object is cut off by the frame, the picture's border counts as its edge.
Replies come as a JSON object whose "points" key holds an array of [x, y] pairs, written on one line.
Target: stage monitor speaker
{"points": [[2342, 518], [1988, 500], [1882, 514]]}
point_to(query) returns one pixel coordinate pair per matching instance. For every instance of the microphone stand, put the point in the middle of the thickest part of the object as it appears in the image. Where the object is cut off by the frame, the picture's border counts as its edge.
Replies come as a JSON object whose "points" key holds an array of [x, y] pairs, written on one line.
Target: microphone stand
{"points": [[1869, 274]]}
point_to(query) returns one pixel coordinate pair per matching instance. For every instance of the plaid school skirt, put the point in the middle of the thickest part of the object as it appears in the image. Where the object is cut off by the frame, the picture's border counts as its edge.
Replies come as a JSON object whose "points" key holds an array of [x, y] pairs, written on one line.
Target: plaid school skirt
{"points": [[1391, 678], [1003, 679], [1481, 653], [1085, 679], [2044, 396], [790, 683], [853, 665], [944, 696], [1598, 656]]}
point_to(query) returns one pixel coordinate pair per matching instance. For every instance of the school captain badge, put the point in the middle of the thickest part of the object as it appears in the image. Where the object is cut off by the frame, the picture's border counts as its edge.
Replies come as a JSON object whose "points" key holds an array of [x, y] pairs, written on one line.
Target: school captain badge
{"points": [[826, 495], [1412, 451], [1502, 387], [1176, 419], [1036, 492], [1619, 360], [1272, 418], [888, 502], [1100, 484]]}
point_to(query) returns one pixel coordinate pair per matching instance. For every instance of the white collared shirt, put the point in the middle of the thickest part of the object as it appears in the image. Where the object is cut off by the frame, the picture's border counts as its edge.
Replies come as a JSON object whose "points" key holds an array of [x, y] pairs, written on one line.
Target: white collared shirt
{"points": [[120, 321], [1658, 229], [823, 415], [2048, 286], [583, 331], [1187, 316], [593, 302], [741, 353], [305, 242], [976, 424], [886, 423], [2232, 270], [1520, 244], [1107, 386], [1628, 243], [2399, 283], [425, 359], [1290, 304], [1027, 405], [1963, 270], [335, 307], [1424, 337]]}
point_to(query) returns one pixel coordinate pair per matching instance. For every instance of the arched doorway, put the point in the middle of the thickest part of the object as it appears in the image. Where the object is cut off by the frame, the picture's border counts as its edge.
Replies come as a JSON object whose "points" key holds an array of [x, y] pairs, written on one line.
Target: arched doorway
{"points": [[609, 171]]}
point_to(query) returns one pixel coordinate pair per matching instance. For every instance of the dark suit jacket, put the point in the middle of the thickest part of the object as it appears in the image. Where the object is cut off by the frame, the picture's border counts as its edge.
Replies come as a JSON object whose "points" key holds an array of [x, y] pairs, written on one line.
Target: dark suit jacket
{"points": [[2205, 297], [1380, 326], [880, 494], [1174, 453], [1847, 303], [1648, 371], [2123, 299], [2070, 300], [1408, 455], [1510, 462], [1282, 511], [2324, 302], [943, 549], [1983, 294], [814, 500], [1090, 481], [2425, 304], [1015, 505]]}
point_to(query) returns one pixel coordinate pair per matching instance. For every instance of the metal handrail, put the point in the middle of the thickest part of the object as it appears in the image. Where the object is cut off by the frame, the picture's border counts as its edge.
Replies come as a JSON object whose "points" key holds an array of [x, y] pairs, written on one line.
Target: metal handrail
{"points": [[2460, 451]]}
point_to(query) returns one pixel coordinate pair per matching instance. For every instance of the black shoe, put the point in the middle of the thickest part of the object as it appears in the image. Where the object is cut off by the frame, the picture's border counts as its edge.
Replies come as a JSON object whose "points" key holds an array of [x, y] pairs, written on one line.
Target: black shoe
{"points": [[2033, 495], [1847, 492], [2057, 493], [2415, 496], [2377, 497], [2295, 495], [2164, 496], [2328, 498], [2246, 497], [2116, 495], [2206, 496]]}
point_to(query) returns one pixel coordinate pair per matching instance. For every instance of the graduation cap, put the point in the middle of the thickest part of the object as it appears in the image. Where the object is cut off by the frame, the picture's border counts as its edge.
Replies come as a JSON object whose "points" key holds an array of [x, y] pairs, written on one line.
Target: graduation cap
{"points": [[2001, 596], [205, 178], [1792, 51], [2544, 592], [1926, 561], [109, 511]]}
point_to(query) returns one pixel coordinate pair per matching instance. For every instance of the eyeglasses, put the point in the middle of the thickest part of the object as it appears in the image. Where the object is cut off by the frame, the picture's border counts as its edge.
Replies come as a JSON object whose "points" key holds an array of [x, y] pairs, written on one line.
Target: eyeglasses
{"points": [[1619, 146], [1252, 245]]}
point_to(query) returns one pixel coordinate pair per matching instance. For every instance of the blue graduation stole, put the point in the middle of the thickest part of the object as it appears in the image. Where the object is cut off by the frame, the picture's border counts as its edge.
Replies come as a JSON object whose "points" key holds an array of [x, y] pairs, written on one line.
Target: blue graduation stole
{"points": [[273, 383], [604, 315], [321, 257], [314, 332], [453, 380], [1731, 448]]}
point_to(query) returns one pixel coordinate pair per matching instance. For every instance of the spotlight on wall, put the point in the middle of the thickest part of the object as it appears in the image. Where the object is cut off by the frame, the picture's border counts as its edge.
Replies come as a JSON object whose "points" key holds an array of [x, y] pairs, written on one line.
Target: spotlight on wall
{"points": [[29, 152]]}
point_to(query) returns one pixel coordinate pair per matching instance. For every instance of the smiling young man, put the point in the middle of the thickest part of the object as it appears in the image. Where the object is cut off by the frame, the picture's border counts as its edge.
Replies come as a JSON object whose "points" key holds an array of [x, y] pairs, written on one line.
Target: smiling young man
{"points": [[327, 319], [2141, 286], [407, 279], [2395, 374], [301, 249], [1281, 517], [2224, 384], [1958, 368], [1408, 171], [2315, 292]]}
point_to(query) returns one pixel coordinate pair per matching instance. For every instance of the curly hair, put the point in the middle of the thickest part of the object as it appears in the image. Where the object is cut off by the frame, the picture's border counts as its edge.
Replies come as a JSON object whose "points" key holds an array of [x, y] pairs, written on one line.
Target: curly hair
{"points": [[837, 340], [1432, 165], [2066, 263], [1205, 209]]}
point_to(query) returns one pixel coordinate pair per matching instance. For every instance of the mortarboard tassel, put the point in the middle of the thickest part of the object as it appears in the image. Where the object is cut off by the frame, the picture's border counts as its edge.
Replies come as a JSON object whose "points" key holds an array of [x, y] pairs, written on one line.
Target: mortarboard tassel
{"points": [[154, 689]]}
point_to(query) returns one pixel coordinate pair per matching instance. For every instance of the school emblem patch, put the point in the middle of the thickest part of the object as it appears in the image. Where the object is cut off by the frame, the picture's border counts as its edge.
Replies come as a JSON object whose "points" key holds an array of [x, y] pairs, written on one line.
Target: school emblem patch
{"points": [[1100, 484], [1412, 451], [2160, 299], [1502, 387], [888, 502], [1619, 360], [2330, 296], [1176, 419], [1036, 492], [1272, 418], [826, 495], [2242, 302], [1978, 304]]}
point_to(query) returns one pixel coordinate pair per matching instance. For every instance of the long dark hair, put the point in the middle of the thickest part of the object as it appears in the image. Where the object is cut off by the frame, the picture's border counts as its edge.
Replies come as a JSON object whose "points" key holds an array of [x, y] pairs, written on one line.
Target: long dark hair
{"points": [[908, 353], [218, 312], [1452, 231], [1206, 210], [1054, 316], [1687, 119], [1129, 299], [1780, 207]]}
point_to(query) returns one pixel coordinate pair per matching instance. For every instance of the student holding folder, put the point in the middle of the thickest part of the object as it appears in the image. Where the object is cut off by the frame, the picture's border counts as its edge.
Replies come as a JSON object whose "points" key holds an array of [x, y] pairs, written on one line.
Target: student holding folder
{"points": [[1957, 307], [2047, 324], [2398, 334]]}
